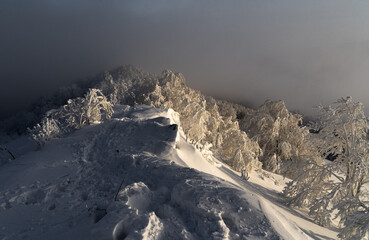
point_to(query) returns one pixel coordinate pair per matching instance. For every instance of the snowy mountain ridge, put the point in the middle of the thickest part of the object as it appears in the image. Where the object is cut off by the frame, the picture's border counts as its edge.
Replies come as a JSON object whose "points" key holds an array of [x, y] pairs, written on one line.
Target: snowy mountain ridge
{"points": [[333, 193], [135, 177]]}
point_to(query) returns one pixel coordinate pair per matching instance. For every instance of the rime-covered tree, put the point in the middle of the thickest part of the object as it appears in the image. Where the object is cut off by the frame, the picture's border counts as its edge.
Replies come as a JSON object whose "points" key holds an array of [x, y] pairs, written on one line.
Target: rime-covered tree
{"points": [[344, 134], [78, 112], [279, 133], [93, 107], [203, 123], [337, 188]]}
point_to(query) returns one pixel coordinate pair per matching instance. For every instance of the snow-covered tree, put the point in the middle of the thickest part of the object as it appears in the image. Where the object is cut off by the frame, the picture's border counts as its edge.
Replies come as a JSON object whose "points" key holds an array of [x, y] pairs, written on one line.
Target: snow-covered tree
{"points": [[96, 106], [93, 107], [344, 134], [285, 142], [336, 189], [203, 124], [78, 112]]}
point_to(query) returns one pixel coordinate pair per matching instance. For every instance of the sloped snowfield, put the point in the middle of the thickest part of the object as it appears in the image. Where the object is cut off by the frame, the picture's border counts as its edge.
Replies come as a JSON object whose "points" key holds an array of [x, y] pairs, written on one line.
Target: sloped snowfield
{"points": [[135, 177]]}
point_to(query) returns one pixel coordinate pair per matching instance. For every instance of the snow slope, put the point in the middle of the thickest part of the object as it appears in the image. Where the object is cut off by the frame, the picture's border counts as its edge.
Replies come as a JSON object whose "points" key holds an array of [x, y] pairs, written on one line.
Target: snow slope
{"points": [[261, 191], [135, 177]]}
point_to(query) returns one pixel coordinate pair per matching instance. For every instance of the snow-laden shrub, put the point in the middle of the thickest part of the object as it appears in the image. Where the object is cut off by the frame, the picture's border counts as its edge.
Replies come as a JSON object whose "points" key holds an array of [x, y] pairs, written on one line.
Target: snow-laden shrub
{"points": [[84, 111], [200, 118], [78, 112], [47, 129]]}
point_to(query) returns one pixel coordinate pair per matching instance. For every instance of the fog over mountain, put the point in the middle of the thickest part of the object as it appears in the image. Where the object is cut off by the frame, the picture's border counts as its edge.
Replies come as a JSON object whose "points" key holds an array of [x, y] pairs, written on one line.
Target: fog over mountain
{"points": [[303, 52]]}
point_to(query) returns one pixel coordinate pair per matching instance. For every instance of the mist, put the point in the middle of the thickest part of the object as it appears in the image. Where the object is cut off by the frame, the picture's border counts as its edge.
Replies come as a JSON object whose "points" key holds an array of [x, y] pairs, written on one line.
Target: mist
{"points": [[305, 52]]}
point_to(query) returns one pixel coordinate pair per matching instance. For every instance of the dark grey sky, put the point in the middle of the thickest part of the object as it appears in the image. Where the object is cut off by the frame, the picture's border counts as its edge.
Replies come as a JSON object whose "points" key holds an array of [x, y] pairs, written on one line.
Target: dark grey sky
{"points": [[305, 52]]}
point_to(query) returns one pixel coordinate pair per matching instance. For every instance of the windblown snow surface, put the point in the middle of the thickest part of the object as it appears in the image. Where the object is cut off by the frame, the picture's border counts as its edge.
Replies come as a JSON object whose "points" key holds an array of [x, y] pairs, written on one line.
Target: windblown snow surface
{"points": [[135, 177]]}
